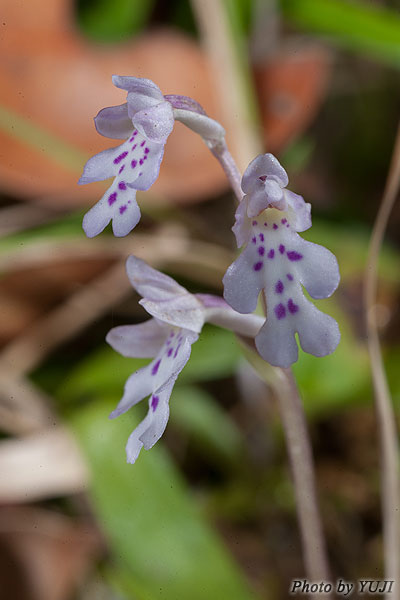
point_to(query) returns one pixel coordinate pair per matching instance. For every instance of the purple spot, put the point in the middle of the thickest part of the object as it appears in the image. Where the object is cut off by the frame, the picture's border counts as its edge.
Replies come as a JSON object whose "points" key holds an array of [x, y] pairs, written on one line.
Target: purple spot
{"points": [[121, 169], [155, 367], [140, 174], [132, 138], [280, 311], [290, 277], [261, 251], [171, 335], [271, 253], [258, 266], [281, 248], [141, 161], [133, 164], [275, 226], [122, 185], [293, 256], [135, 133], [144, 157], [112, 198], [119, 158], [170, 351], [284, 221], [293, 308], [279, 287], [254, 240], [134, 146], [143, 143], [122, 209], [154, 402], [261, 236], [288, 225], [254, 223], [177, 350], [146, 150], [265, 224]]}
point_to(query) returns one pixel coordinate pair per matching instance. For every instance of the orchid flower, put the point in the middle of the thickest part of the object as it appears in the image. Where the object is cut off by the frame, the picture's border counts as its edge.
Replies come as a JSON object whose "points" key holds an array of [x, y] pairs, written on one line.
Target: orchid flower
{"points": [[278, 262], [145, 121], [177, 319]]}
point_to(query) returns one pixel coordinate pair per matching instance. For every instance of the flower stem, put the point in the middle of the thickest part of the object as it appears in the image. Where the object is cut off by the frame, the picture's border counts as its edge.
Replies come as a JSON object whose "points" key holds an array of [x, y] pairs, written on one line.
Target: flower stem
{"points": [[301, 460], [299, 450], [384, 409], [225, 158]]}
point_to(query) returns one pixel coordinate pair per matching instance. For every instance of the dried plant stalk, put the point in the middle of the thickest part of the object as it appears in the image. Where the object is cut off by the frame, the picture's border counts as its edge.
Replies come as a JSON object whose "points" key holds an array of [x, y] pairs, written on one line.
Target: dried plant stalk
{"points": [[383, 403]]}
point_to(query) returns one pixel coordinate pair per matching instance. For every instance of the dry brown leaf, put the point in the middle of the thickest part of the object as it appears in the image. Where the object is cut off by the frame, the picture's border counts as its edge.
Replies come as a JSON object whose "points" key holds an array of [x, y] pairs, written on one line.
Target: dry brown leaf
{"points": [[58, 80], [44, 555], [45, 464]]}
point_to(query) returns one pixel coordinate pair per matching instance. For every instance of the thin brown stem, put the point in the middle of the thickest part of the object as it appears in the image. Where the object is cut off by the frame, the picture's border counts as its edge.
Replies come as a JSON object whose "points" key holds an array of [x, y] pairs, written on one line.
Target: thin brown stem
{"points": [[301, 460], [383, 403], [231, 77]]}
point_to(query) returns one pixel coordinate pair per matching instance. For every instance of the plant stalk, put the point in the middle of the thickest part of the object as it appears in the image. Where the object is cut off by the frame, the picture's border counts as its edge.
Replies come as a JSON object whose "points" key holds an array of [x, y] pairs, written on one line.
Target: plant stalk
{"points": [[300, 456], [384, 408]]}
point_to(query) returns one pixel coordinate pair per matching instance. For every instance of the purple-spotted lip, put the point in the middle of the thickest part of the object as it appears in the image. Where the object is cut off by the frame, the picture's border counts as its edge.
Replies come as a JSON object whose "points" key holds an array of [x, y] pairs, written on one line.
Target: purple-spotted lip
{"points": [[185, 103]]}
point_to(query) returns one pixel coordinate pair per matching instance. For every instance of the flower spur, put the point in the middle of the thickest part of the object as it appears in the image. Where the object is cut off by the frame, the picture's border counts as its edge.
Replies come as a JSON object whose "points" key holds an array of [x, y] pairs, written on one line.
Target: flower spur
{"points": [[145, 121], [278, 262]]}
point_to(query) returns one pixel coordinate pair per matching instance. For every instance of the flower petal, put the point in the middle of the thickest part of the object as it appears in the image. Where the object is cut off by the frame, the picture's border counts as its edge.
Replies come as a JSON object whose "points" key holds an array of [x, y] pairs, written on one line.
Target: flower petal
{"points": [[277, 344], [137, 386], [180, 311], [139, 85], [138, 341], [149, 431], [155, 123], [150, 283], [318, 333], [242, 226], [148, 166], [208, 128], [299, 211], [319, 272], [117, 204], [264, 165], [163, 298], [172, 357], [242, 283], [101, 166], [114, 122]]}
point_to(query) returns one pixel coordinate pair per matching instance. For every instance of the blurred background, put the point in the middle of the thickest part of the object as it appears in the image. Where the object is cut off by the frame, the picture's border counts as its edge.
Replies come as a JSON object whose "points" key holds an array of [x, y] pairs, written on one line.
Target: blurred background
{"points": [[209, 512]]}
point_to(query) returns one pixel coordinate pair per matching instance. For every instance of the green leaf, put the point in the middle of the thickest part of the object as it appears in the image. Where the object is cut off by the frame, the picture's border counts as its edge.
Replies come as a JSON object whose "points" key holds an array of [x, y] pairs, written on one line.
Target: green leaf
{"points": [[197, 412], [55, 148], [214, 355], [107, 21], [156, 534], [341, 379], [363, 27]]}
